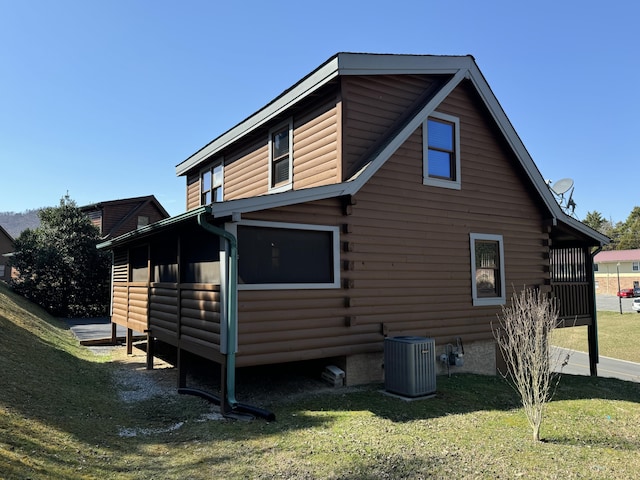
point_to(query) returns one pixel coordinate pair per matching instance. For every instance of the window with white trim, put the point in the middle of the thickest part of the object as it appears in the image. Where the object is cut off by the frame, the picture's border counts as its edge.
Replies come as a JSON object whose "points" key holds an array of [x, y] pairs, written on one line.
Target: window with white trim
{"points": [[441, 151], [487, 269], [211, 181], [280, 157], [275, 256], [636, 266]]}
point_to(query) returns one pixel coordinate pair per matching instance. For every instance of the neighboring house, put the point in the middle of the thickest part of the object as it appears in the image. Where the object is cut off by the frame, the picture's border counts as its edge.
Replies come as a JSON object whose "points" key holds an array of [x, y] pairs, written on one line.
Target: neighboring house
{"points": [[6, 246], [117, 217], [616, 269], [381, 195]]}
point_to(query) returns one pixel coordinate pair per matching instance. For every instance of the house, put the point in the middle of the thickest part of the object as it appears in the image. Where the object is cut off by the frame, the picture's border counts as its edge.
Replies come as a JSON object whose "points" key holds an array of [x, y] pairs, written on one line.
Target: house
{"points": [[117, 217], [617, 269], [6, 246], [381, 195]]}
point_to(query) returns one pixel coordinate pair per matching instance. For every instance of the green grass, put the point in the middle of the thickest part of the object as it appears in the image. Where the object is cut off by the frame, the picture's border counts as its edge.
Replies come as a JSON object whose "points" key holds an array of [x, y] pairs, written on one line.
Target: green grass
{"points": [[60, 418], [618, 336]]}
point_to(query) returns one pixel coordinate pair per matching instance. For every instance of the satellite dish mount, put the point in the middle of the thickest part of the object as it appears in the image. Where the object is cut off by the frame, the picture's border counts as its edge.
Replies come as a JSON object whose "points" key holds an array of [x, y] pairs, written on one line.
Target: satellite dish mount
{"points": [[560, 189]]}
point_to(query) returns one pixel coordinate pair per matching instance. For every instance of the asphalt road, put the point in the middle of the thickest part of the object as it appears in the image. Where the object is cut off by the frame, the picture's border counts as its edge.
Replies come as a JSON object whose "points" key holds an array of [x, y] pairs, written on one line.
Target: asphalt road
{"points": [[607, 367]]}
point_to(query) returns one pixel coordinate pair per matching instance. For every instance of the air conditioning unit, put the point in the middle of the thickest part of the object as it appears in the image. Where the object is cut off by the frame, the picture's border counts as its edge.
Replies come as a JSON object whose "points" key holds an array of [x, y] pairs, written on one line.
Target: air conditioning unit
{"points": [[410, 366]]}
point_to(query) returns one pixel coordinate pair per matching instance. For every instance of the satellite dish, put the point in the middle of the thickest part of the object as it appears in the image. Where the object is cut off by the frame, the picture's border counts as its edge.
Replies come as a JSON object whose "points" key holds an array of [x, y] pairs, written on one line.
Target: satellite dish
{"points": [[562, 186]]}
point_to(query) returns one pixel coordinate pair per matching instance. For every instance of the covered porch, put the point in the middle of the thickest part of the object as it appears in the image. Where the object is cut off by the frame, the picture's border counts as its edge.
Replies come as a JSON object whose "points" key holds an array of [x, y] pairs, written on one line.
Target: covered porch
{"points": [[572, 283]]}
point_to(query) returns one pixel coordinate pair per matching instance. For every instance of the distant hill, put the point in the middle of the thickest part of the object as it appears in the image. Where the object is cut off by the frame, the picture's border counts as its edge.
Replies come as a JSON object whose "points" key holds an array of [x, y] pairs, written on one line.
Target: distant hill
{"points": [[14, 223]]}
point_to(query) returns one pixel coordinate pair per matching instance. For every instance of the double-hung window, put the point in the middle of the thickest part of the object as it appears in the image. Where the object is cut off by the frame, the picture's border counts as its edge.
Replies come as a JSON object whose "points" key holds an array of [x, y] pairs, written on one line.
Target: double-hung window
{"points": [[487, 269], [441, 151], [211, 181], [280, 157]]}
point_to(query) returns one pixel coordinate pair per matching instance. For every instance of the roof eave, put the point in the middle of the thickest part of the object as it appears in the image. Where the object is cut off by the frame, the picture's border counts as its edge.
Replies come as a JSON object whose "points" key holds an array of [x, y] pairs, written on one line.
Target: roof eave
{"points": [[152, 228], [339, 65]]}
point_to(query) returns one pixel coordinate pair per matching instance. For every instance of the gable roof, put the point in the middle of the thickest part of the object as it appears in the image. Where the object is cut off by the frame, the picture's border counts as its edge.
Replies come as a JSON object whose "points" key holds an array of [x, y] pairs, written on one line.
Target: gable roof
{"points": [[6, 234], [618, 256], [135, 204], [457, 68]]}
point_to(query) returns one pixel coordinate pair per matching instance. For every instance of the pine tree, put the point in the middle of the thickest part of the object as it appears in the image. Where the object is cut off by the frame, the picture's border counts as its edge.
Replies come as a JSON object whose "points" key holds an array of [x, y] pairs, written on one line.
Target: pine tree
{"points": [[58, 264]]}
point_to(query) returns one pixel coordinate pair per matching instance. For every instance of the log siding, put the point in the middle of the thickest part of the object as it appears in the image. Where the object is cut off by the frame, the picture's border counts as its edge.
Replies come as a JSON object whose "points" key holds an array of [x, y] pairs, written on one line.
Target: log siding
{"points": [[406, 266], [404, 247]]}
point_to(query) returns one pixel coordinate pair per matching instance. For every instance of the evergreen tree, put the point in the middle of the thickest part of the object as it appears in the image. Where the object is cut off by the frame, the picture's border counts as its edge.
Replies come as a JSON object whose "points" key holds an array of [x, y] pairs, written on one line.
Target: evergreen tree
{"points": [[58, 264], [596, 221], [628, 232]]}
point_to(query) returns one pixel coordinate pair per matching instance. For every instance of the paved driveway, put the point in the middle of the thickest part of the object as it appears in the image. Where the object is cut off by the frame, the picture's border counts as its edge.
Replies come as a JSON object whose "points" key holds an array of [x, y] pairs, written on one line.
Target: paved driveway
{"points": [[612, 303]]}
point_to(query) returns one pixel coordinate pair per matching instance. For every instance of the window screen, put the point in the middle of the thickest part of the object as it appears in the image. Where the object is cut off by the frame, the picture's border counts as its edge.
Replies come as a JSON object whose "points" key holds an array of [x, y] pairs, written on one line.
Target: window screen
{"points": [[284, 255], [139, 264]]}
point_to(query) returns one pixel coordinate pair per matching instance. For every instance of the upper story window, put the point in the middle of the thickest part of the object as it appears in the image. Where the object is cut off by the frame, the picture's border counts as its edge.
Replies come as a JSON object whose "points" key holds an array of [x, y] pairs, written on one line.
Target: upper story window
{"points": [[211, 185], [635, 267], [441, 151], [280, 157], [487, 269], [143, 221]]}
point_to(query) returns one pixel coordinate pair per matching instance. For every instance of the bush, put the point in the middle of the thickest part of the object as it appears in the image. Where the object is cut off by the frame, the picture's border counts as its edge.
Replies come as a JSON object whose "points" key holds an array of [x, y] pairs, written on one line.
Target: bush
{"points": [[58, 265], [523, 336]]}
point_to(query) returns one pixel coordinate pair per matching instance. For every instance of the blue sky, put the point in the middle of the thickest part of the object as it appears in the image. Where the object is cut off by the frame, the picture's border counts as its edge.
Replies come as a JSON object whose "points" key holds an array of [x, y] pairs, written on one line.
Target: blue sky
{"points": [[104, 99]]}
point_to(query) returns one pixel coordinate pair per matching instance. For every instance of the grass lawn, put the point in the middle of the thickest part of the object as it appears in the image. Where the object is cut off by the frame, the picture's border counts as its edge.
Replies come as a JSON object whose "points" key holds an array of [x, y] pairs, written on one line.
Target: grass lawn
{"points": [[63, 416], [618, 336]]}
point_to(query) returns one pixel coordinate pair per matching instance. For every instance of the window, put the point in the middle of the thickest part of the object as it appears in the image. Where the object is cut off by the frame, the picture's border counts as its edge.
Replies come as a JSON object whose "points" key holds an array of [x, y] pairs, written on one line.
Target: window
{"points": [[287, 256], [1, 271], [487, 269], [211, 185], [139, 264], [143, 221], [636, 266], [441, 151], [280, 141], [199, 257]]}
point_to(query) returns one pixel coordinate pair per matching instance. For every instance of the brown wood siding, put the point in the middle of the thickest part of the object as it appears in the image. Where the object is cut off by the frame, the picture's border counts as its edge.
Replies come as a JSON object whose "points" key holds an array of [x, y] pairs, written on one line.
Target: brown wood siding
{"points": [[371, 106], [193, 191], [187, 315], [130, 305], [315, 148], [316, 155], [405, 254], [285, 325], [409, 243], [246, 173]]}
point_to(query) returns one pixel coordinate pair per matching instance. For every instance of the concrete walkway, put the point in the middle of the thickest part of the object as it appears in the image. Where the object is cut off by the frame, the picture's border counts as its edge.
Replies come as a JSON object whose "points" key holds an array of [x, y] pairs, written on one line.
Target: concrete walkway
{"points": [[95, 331]]}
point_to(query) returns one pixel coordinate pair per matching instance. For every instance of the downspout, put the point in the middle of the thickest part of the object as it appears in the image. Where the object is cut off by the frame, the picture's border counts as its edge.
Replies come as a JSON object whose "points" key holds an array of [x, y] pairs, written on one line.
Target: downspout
{"points": [[232, 324], [232, 312]]}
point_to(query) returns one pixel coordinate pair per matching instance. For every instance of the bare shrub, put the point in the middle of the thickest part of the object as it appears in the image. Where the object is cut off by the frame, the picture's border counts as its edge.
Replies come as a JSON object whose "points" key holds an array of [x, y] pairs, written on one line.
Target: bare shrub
{"points": [[523, 335]]}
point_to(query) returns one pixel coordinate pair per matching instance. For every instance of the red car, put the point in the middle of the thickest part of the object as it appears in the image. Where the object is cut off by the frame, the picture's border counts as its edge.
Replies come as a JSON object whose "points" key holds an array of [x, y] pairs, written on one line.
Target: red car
{"points": [[626, 293]]}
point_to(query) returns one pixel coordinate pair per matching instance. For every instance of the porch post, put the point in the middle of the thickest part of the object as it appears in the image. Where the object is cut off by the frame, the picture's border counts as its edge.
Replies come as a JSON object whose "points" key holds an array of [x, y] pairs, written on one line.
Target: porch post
{"points": [[592, 330]]}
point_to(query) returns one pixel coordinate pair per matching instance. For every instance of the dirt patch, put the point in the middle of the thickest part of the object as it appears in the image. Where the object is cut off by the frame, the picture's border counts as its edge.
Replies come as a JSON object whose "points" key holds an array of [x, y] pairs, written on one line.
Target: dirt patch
{"points": [[264, 387]]}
